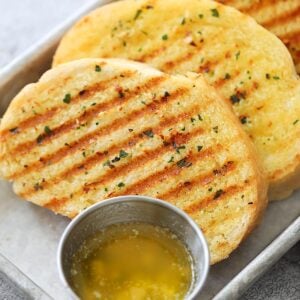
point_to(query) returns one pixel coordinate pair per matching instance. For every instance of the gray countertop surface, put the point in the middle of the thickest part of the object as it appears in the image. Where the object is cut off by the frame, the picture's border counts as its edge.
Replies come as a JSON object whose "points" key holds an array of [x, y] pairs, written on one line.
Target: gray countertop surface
{"points": [[24, 22]]}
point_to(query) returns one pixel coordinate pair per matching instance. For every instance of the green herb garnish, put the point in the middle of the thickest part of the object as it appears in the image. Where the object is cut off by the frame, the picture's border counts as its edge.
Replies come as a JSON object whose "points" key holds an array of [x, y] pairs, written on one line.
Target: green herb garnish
{"points": [[67, 98], [149, 133], [227, 76], [165, 37], [218, 194], [138, 12], [215, 13], [171, 159], [183, 163], [97, 68], [235, 99], [244, 120], [123, 154], [47, 130]]}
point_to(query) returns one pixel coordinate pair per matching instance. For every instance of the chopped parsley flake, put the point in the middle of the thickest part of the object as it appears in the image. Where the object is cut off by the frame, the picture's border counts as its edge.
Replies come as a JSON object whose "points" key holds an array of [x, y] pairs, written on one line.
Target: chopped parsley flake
{"points": [[193, 120], [237, 55], [215, 13], [123, 154], [199, 148], [183, 163], [216, 129], [227, 76], [165, 37], [121, 184], [67, 98], [97, 68], [244, 120], [106, 189], [200, 118], [235, 99], [137, 14], [268, 76], [200, 16], [276, 77], [47, 130], [178, 148], [295, 122], [171, 159], [183, 21], [149, 133], [218, 194]]}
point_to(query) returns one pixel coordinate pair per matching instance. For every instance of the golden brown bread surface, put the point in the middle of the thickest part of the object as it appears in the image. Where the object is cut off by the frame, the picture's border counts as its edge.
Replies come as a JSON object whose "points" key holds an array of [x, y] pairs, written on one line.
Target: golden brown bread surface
{"points": [[246, 63], [93, 129], [282, 17]]}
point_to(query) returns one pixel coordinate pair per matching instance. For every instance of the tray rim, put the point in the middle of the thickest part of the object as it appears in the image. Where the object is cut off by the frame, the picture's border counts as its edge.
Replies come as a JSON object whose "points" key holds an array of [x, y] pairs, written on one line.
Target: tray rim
{"points": [[251, 272]]}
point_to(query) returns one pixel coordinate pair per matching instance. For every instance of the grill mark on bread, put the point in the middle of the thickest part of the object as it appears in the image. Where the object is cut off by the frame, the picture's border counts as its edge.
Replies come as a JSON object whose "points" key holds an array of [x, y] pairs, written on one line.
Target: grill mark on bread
{"points": [[284, 18], [41, 118], [200, 180], [228, 192], [222, 81], [138, 161], [141, 186], [256, 6], [187, 56], [146, 57], [86, 116], [154, 53], [106, 130], [290, 37], [98, 157], [170, 65]]}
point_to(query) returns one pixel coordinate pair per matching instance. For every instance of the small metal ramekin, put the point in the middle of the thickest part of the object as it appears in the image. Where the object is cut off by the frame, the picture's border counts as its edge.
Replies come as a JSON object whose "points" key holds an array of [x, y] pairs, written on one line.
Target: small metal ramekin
{"points": [[135, 209]]}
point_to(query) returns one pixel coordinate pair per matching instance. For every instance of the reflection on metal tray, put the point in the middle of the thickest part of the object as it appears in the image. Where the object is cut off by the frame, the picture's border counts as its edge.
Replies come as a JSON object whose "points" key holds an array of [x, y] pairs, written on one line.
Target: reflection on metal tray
{"points": [[30, 234]]}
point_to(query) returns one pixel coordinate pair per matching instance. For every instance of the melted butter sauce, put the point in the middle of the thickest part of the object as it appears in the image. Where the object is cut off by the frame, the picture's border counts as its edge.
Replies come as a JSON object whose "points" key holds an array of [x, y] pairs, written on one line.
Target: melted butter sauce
{"points": [[133, 261]]}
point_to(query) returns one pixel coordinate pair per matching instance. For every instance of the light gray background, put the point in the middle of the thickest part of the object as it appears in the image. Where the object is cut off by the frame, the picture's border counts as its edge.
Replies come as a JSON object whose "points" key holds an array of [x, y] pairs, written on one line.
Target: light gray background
{"points": [[24, 22]]}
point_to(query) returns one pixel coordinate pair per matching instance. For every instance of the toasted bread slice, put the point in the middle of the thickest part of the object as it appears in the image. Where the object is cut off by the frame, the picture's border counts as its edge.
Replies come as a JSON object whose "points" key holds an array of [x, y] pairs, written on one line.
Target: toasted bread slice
{"points": [[248, 65], [94, 129], [281, 17]]}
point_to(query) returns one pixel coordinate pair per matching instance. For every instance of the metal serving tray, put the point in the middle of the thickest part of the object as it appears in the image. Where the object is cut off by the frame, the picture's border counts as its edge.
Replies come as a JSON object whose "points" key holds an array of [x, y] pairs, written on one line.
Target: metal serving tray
{"points": [[29, 234]]}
